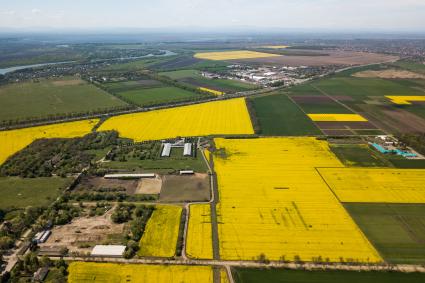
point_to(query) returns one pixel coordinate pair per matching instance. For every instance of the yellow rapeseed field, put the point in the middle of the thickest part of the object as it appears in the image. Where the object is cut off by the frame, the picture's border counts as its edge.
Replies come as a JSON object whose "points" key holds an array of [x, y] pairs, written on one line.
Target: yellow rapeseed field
{"points": [[233, 55], [161, 233], [212, 91], [337, 118], [405, 100], [223, 276], [14, 140], [376, 185], [199, 235], [213, 118], [80, 272], [274, 202]]}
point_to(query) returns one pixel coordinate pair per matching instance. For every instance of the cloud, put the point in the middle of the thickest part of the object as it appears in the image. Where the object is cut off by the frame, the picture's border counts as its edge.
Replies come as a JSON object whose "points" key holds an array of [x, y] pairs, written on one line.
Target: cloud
{"points": [[35, 11], [8, 13]]}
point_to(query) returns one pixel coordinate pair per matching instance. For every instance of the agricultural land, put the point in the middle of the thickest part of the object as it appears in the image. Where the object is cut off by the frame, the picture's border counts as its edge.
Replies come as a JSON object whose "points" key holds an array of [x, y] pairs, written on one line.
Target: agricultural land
{"points": [[215, 118], [53, 97], [235, 160]]}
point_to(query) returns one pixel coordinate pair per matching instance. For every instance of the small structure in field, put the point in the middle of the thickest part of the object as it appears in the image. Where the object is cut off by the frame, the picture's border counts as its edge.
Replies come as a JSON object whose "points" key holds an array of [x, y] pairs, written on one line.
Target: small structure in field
{"points": [[166, 150], [129, 176], [108, 250], [187, 151], [187, 172], [40, 274]]}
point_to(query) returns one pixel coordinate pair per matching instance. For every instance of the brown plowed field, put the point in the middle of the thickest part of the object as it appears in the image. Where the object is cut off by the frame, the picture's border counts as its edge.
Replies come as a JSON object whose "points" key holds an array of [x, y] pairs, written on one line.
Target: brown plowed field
{"points": [[334, 58]]}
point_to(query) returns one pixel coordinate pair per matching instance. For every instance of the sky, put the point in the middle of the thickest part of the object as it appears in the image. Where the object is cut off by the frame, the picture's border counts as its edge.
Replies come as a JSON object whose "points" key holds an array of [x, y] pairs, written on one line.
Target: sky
{"points": [[340, 15]]}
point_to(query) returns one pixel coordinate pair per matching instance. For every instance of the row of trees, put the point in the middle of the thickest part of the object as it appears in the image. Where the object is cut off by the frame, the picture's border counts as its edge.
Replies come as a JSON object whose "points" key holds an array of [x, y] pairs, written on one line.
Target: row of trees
{"points": [[62, 116], [416, 141]]}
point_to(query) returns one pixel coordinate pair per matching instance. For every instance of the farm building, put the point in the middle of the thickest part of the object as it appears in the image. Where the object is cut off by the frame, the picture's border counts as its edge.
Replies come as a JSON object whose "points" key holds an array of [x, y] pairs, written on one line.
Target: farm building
{"points": [[166, 150], [42, 236], [108, 250], [129, 176], [187, 149], [40, 274], [187, 172]]}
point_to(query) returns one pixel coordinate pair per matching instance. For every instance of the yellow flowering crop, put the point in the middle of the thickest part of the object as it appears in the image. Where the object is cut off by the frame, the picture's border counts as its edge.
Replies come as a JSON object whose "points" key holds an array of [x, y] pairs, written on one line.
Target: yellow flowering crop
{"points": [[232, 55], [161, 233], [273, 202], [405, 100], [337, 118], [376, 185], [199, 235], [212, 91], [212, 118], [80, 272], [15, 140], [223, 276]]}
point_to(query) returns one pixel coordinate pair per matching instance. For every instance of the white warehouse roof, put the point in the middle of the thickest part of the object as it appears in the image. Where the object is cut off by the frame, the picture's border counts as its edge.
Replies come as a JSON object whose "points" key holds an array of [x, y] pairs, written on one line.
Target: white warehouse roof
{"points": [[187, 149], [166, 150], [129, 176], [108, 250]]}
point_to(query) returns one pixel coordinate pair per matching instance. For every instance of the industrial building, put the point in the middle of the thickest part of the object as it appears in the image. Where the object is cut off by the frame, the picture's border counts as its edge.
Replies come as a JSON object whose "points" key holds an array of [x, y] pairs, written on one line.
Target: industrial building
{"points": [[187, 149], [42, 236], [108, 250], [166, 150], [129, 176]]}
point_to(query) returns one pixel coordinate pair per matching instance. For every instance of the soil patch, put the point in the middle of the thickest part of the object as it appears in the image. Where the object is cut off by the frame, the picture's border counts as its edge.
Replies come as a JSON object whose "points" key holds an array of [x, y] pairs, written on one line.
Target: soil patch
{"points": [[99, 184], [389, 74], [335, 57], [185, 188], [405, 121], [149, 186], [83, 233], [68, 82]]}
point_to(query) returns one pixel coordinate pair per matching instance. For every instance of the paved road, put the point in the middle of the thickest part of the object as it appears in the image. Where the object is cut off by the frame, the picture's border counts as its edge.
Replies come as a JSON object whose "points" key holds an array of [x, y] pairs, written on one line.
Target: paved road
{"points": [[254, 264]]}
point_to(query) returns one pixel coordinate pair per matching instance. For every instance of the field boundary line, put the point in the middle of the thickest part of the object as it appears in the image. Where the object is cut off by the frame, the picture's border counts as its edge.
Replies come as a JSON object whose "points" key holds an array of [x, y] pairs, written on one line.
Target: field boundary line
{"points": [[299, 107], [346, 106], [346, 211]]}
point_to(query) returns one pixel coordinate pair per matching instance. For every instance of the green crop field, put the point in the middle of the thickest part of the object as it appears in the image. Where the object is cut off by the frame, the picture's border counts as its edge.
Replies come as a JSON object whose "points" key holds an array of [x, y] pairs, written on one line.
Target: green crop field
{"points": [[151, 96], [230, 84], [277, 115], [136, 65], [176, 161], [223, 85], [246, 275], [408, 163], [396, 230], [118, 87], [20, 101], [181, 74], [359, 156], [304, 89], [361, 88], [414, 67], [19, 193]]}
